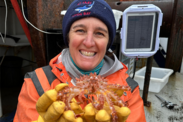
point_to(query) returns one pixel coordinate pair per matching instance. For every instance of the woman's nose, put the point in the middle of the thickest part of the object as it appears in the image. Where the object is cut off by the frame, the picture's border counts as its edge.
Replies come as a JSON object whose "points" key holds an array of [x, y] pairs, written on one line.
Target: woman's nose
{"points": [[89, 40]]}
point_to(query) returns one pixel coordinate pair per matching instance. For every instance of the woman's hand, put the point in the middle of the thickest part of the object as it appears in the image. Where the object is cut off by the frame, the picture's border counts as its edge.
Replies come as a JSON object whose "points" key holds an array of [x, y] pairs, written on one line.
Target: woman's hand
{"points": [[103, 115], [51, 110]]}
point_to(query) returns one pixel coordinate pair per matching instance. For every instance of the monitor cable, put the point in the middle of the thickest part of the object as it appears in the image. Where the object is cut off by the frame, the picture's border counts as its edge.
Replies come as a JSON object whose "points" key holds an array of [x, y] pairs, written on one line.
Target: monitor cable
{"points": [[32, 24], [134, 69]]}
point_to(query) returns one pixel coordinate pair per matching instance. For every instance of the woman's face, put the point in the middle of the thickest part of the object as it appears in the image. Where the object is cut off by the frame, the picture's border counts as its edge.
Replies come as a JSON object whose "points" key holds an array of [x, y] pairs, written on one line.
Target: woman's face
{"points": [[88, 39]]}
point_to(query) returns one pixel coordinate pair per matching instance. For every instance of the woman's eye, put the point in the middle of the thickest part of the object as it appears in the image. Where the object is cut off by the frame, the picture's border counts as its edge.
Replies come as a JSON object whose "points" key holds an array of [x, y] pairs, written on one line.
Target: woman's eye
{"points": [[80, 30], [100, 34]]}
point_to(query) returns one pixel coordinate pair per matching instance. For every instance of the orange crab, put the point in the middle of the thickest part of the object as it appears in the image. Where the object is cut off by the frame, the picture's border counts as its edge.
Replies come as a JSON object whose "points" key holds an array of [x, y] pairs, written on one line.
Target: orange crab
{"points": [[94, 85]]}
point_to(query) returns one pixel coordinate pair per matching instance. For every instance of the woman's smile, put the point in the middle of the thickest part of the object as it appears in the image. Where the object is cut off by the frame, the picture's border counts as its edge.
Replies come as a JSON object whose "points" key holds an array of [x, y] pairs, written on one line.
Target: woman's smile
{"points": [[86, 53]]}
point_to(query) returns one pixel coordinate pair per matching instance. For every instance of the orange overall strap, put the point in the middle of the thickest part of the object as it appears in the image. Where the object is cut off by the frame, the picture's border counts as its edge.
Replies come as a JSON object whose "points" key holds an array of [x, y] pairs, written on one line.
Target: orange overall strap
{"points": [[42, 79]]}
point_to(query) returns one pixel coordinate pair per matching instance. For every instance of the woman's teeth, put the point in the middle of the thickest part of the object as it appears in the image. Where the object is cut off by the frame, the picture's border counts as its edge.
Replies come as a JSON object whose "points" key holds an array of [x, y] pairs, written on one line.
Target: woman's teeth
{"points": [[87, 53]]}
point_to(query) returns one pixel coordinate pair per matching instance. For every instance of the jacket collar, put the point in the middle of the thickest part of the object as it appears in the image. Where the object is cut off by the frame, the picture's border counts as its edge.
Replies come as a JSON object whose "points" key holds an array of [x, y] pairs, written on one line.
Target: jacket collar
{"points": [[59, 70]]}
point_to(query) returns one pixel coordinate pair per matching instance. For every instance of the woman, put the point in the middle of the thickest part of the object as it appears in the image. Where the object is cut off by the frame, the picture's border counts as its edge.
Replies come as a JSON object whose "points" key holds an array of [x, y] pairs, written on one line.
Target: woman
{"points": [[89, 30]]}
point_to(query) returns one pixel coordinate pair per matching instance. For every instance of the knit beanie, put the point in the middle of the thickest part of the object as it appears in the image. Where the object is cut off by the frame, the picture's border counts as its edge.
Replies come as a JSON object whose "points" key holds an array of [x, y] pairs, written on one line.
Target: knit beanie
{"points": [[79, 9]]}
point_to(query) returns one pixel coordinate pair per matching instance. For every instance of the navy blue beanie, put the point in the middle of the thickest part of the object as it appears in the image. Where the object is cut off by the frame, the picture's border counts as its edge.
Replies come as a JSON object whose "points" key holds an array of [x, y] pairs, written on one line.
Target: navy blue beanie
{"points": [[89, 8]]}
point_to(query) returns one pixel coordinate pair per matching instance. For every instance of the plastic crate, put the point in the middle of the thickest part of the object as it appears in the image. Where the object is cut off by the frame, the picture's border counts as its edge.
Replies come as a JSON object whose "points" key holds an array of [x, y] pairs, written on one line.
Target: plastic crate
{"points": [[159, 78]]}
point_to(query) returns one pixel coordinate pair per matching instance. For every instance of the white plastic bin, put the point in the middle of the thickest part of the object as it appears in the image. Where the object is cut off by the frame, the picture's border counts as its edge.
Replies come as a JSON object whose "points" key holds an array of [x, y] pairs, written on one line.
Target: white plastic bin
{"points": [[159, 78]]}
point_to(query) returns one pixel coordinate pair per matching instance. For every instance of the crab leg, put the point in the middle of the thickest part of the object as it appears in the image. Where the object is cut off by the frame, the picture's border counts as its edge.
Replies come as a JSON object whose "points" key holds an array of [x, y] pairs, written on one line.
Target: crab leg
{"points": [[110, 103], [118, 87], [99, 103]]}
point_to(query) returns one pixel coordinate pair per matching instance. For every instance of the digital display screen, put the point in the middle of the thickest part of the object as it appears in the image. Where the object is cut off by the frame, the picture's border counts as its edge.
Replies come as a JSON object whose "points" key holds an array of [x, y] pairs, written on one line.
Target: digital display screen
{"points": [[139, 30]]}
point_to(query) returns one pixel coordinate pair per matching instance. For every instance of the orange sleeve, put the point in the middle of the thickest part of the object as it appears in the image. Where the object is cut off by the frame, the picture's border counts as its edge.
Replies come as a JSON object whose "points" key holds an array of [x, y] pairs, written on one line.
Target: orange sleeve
{"points": [[26, 108], [137, 107]]}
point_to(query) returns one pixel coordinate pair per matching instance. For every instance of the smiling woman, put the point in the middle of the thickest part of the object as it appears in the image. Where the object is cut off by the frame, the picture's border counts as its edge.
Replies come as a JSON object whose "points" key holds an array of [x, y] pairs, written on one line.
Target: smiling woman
{"points": [[88, 29], [88, 39]]}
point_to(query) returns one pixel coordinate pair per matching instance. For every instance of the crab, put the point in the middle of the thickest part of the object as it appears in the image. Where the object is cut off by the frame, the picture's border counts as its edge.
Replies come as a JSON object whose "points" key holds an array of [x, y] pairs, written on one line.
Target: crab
{"points": [[97, 91]]}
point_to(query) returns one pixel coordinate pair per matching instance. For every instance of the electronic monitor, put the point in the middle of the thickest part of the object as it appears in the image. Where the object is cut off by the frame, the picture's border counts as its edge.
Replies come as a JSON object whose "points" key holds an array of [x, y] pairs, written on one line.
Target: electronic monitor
{"points": [[140, 30]]}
